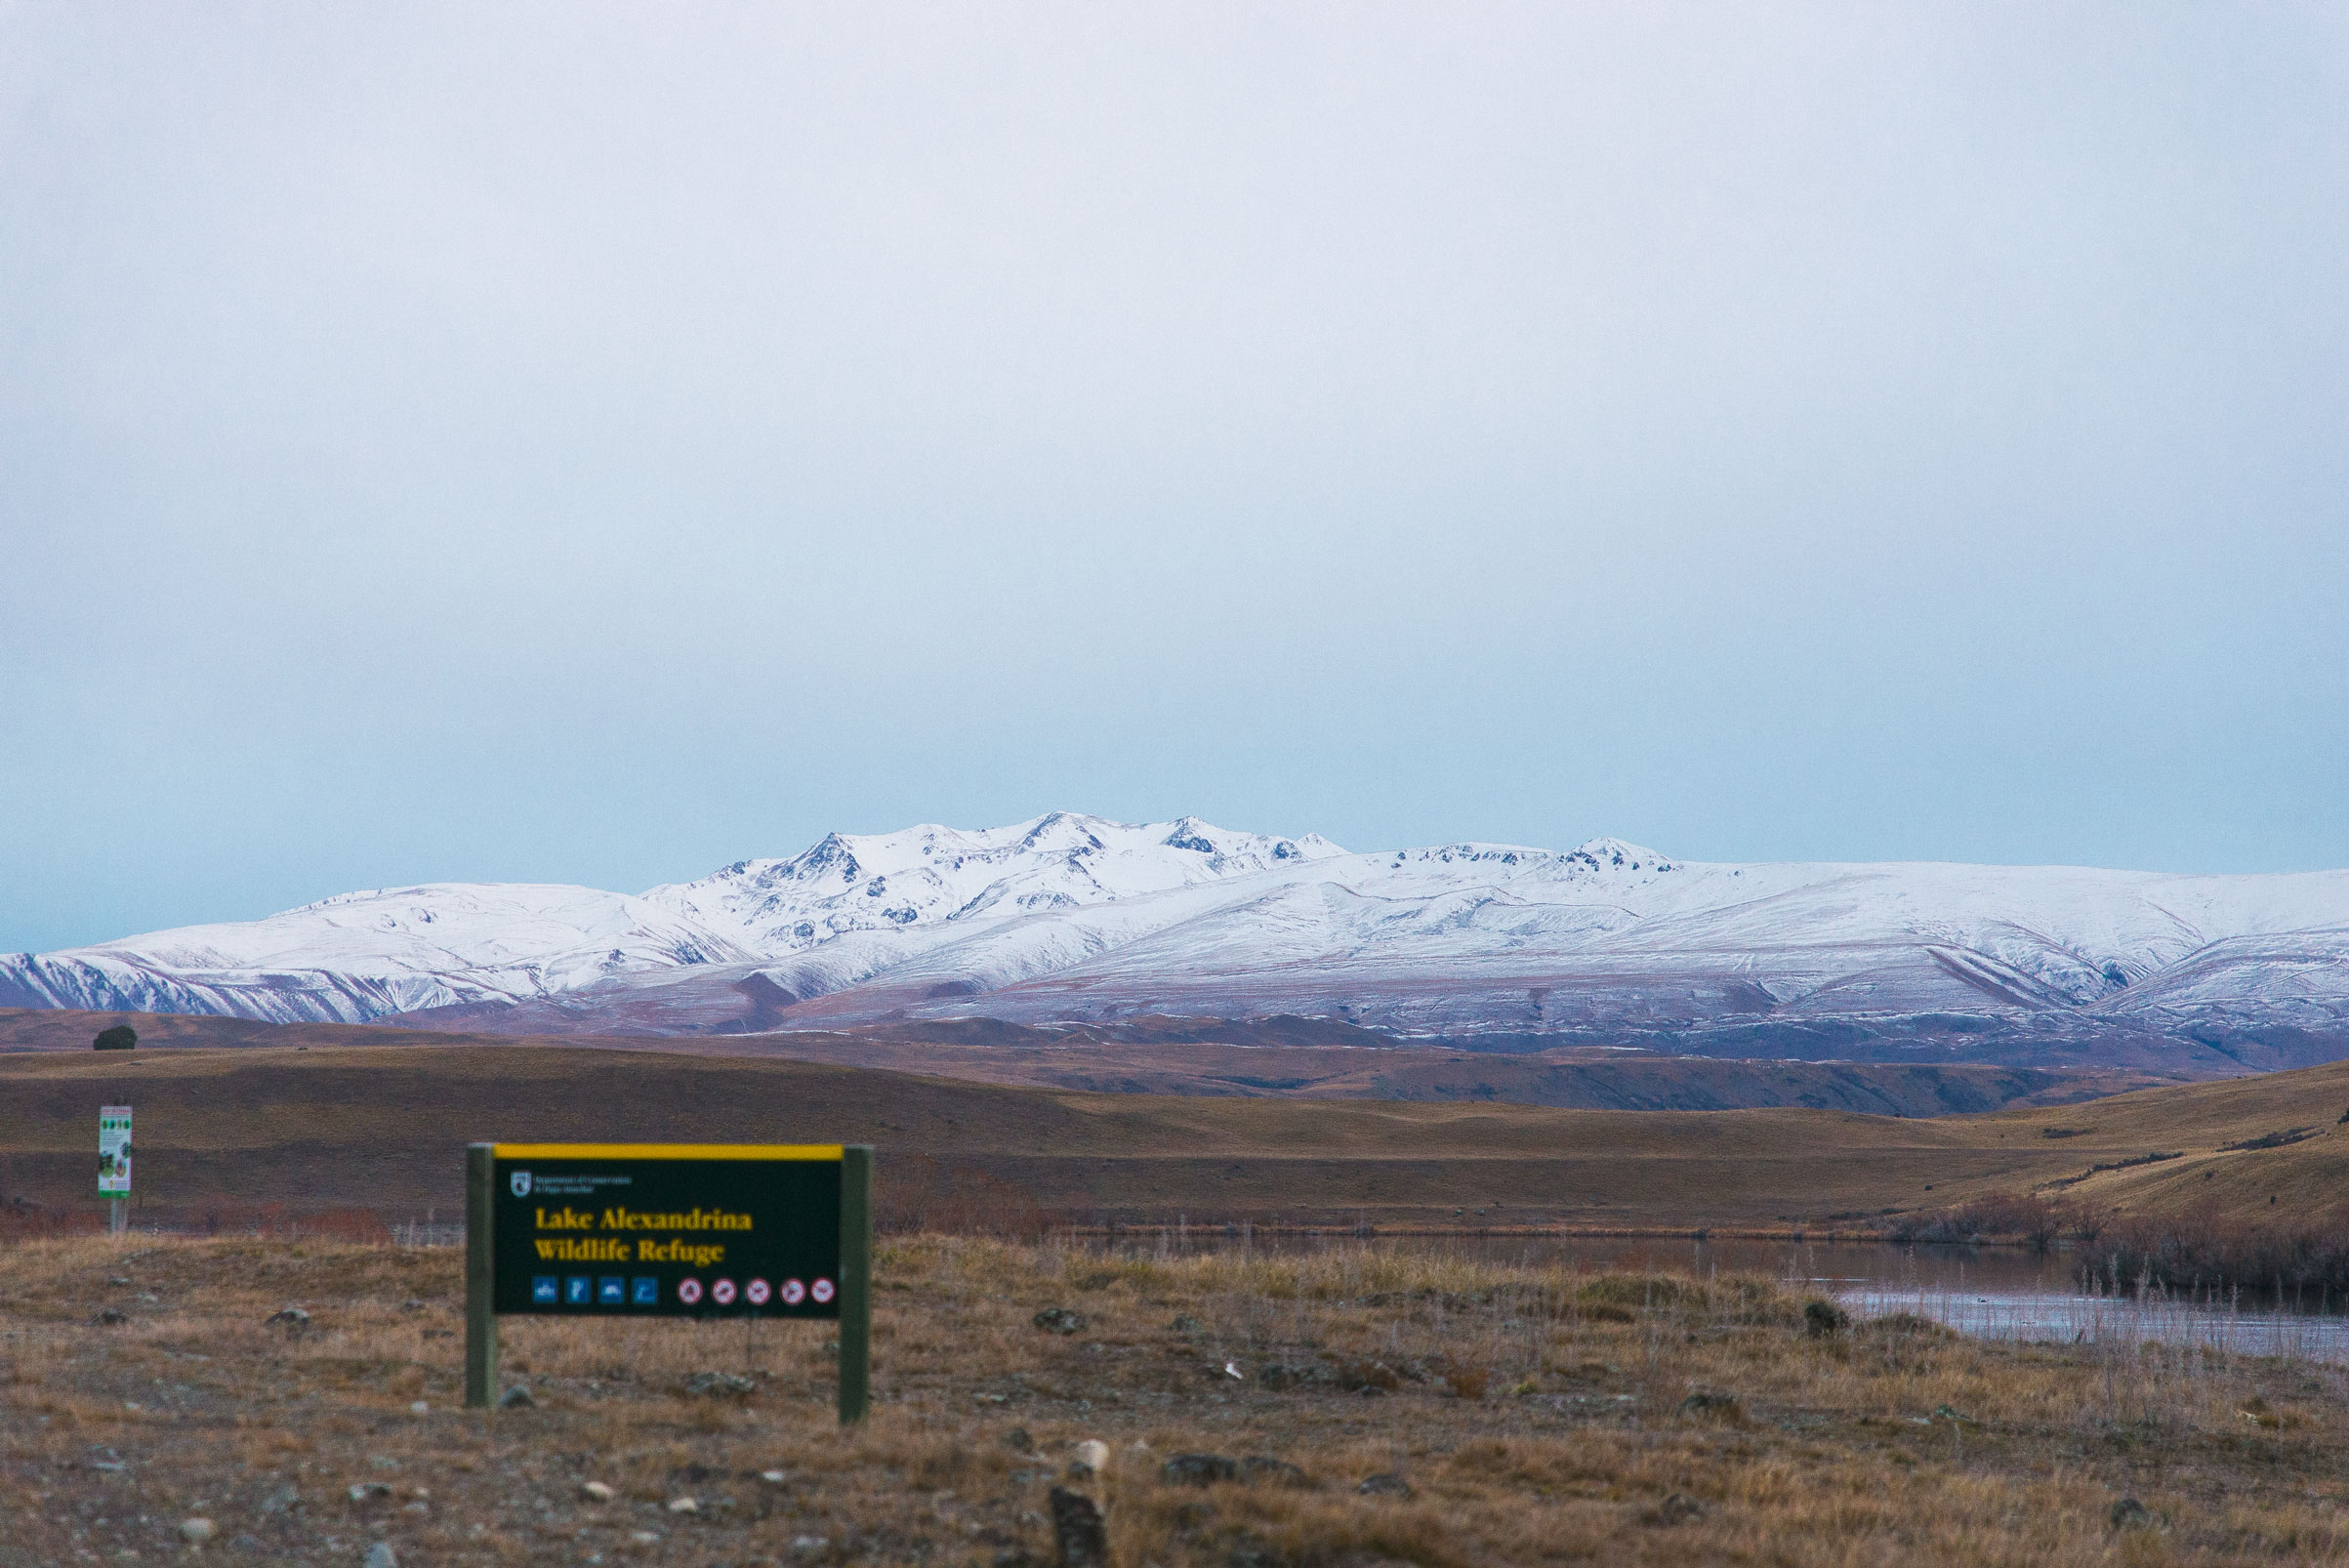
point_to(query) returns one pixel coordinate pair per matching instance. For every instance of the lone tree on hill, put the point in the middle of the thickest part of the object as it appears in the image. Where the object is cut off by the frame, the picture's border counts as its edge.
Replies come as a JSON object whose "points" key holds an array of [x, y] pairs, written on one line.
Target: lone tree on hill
{"points": [[122, 1037]]}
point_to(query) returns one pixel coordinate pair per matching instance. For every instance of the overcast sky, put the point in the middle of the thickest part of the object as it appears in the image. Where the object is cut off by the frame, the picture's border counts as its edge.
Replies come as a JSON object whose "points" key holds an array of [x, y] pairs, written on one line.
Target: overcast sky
{"points": [[595, 443]]}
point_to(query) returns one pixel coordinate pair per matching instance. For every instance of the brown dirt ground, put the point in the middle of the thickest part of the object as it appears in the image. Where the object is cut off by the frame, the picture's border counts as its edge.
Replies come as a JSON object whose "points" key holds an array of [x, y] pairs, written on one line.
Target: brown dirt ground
{"points": [[1533, 1417]]}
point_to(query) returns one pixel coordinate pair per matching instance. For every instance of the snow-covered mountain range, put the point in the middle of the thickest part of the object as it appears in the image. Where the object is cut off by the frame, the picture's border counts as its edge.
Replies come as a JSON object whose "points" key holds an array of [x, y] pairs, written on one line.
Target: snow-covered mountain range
{"points": [[1073, 918]]}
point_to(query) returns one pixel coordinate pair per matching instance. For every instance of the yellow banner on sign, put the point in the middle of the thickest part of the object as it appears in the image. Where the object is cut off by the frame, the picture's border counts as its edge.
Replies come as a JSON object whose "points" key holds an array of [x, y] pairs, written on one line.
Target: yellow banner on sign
{"points": [[667, 1151]]}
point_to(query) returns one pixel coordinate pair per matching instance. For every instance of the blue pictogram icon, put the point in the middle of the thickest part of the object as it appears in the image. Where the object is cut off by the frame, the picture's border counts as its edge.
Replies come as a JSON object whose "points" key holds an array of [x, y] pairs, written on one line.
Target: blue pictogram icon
{"points": [[647, 1291], [542, 1291], [611, 1290], [578, 1290]]}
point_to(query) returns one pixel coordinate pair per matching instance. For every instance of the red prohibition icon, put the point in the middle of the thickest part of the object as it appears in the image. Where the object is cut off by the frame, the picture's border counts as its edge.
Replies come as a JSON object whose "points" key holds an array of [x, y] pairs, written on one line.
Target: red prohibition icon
{"points": [[757, 1292], [688, 1290], [821, 1290], [723, 1293], [794, 1293]]}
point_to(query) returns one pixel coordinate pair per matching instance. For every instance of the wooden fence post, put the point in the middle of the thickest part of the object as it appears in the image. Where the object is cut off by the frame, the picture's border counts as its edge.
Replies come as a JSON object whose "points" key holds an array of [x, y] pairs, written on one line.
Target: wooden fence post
{"points": [[480, 1310], [856, 1281]]}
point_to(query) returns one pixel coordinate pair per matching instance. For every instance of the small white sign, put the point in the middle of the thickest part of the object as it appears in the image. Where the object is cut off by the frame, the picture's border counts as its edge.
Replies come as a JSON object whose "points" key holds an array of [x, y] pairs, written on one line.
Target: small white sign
{"points": [[113, 1151]]}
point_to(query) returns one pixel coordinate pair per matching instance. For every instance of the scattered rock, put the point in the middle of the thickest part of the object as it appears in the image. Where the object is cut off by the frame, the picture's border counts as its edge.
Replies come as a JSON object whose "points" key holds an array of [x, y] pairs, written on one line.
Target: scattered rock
{"points": [[412, 1305], [808, 1546], [1199, 1469], [381, 1555], [772, 1477], [287, 1498], [644, 1538], [244, 1541], [683, 1506], [416, 1407], [1265, 1468], [1277, 1377], [292, 1317], [1184, 1323], [1386, 1484], [369, 1490], [99, 1456], [1059, 1320], [1080, 1533], [195, 1531], [106, 1317], [596, 1492], [1710, 1403], [1019, 1440], [118, 1279], [1678, 1509], [2129, 1513], [517, 1397], [1824, 1319], [719, 1385], [1367, 1376]]}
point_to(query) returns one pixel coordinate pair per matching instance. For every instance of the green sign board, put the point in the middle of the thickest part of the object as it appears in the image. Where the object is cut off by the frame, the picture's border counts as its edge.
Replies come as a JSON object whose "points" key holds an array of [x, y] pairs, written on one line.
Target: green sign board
{"points": [[113, 1151], [668, 1230], [698, 1230]]}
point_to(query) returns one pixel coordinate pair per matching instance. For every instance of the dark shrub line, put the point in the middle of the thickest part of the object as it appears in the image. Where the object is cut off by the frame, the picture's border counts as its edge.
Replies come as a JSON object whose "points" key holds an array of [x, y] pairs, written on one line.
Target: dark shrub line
{"points": [[2192, 1254]]}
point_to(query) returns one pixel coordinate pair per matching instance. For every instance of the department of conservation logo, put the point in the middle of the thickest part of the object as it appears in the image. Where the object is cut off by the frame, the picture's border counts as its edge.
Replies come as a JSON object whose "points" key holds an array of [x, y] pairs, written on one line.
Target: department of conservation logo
{"points": [[521, 1183]]}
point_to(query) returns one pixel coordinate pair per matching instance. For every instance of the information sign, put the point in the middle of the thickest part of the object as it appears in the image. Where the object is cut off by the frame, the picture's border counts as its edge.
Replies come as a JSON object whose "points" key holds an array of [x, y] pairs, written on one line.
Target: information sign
{"points": [[698, 1230], [113, 1151], [667, 1230]]}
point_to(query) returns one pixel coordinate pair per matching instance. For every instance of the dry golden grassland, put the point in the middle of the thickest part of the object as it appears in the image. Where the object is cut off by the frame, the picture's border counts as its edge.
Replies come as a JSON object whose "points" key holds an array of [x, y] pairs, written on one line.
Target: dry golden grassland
{"points": [[223, 1131], [1531, 1415]]}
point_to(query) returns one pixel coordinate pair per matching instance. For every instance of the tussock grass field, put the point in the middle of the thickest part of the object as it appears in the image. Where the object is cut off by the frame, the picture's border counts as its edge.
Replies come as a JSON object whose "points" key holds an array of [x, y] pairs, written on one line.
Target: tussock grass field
{"points": [[1512, 1414]]}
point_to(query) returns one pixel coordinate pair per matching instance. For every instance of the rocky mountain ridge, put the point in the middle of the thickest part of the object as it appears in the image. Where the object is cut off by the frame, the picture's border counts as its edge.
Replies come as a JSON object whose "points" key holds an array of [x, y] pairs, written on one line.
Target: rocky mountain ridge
{"points": [[1070, 918]]}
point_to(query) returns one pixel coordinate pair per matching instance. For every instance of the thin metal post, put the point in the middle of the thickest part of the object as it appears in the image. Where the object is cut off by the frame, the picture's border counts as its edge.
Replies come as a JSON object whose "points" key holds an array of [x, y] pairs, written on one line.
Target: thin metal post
{"points": [[855, 1282], [480, 1316], [114, 1218]]}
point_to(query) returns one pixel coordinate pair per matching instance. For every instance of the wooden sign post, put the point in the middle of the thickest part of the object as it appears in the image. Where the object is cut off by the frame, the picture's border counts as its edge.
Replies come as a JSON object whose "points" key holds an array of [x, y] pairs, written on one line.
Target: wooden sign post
{"points": [[696, 1230]]}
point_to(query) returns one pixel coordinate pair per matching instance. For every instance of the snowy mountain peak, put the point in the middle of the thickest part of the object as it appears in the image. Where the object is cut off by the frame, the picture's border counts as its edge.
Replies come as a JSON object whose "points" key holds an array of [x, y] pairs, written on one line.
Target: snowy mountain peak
{"points": [[1068, 916], [1616, 855], [929, 874], [1597, 855]]}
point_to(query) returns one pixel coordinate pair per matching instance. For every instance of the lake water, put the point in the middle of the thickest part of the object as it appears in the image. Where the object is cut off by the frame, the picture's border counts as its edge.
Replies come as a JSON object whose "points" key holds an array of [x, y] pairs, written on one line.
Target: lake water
{"points": [[1999, 1293], [2007, 1293]]}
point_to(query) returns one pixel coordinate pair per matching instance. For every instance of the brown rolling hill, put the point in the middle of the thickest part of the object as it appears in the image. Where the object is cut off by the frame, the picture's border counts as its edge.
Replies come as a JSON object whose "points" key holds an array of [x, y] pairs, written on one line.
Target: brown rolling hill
{"points": [[1308, 1057], [228, 1128]]}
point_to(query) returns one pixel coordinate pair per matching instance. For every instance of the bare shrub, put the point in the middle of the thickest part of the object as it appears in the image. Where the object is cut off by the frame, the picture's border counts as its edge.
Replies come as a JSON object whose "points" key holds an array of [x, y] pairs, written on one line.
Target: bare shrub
{"points": [[1995, 1216]]}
